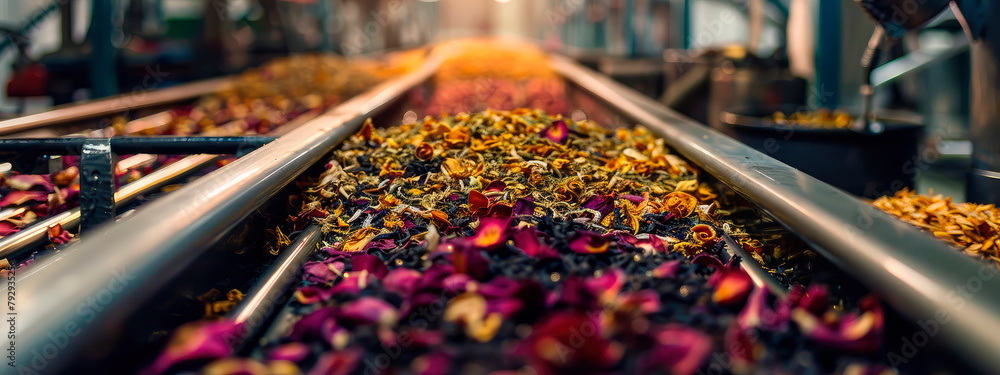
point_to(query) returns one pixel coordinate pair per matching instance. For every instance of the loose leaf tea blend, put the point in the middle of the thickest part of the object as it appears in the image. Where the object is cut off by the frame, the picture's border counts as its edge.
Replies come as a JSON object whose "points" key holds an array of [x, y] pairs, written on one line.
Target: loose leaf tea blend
{"points": [[975, 228], [518, 242], [476, 75], [261, 99]]}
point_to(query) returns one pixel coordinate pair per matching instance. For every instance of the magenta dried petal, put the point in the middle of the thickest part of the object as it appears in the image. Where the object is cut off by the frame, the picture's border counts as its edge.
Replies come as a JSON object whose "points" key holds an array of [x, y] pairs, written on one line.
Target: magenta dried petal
{"points": [[667, 270], [380, 244], [349, 285], [507, 307], [732, 287], [313, 325], [623, 237], [500, 211], [795, 294], [407, 224], [401, 281], [7, 228], [524, 207], [477, 201], [632, 198], [605, 204], [499, 287], [496, 185], [434, 276], [646, 300], [69, 193], [815, 299], [857, 333], [678, 349], [741, 347], [608, 285], [550, 299], [759, 313], [375, 266], [201, 340], [458, 283], [654, 244], [62, 238], [369, 310], [575, 292], [352, 284], [17, 197], [527, 239], [321, 272], [586, 242], [338, 362], [293, 352], [437, 363], [591, 352], [337, 254], [558, 132], [470, 260], [312, 294], [70, 161], [491, 233], [29, 181]]}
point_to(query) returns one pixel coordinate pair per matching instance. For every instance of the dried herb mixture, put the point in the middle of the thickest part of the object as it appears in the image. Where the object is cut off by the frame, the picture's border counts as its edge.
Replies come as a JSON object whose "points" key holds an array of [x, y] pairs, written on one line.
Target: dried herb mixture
{"points": [[516, 242]]}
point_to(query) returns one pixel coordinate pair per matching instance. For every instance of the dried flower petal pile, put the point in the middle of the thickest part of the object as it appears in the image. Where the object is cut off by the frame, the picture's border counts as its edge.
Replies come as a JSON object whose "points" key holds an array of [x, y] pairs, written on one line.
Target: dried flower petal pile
{"points": [[515, 242], [261, 100], [476, 75], [476, 95], [269, 96], [975, 228], [822, 118]]}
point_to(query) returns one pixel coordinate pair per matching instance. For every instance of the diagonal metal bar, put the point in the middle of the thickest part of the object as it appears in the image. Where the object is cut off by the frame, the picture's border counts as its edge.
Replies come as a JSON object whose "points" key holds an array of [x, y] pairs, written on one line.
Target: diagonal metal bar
{"points": [[922, 277], [122, 266]]}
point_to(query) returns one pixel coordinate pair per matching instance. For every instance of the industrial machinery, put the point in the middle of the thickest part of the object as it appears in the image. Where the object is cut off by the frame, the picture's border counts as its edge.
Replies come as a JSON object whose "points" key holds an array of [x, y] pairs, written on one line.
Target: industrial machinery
{"points": [[896, 17], [310, 189]]}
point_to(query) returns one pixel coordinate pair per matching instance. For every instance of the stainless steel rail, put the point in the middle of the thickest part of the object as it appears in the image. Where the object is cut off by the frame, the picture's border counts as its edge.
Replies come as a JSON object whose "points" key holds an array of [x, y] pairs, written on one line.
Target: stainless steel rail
{"points": [[757, 273], [118, 267], [13, 244], [922, 277], [263, 299], [118, 104]]}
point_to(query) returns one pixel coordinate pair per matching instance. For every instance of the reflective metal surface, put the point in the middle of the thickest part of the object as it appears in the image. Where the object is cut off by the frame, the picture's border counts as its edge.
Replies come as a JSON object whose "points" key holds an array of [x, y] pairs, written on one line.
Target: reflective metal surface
{"points": [[78, 112], [161, 145], [985, 126], [266, 295], [14, 244], [122, 263], [916, 61], [922, 277]]}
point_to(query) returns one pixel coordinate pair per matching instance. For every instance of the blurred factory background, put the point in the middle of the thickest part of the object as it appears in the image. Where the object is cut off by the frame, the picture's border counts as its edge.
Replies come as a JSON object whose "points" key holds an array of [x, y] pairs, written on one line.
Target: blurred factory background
{"points": [[701, 57]]}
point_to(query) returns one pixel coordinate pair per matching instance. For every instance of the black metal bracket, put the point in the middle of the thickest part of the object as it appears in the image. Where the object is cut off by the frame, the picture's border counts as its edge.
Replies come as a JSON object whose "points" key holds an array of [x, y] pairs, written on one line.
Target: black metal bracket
{"points": [[97, 183], [98, 157]]}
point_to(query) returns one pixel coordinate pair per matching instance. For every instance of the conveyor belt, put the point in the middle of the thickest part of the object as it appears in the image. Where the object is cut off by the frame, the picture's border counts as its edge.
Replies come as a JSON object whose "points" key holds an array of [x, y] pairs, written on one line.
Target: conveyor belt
{"points": [[913, 272]]}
